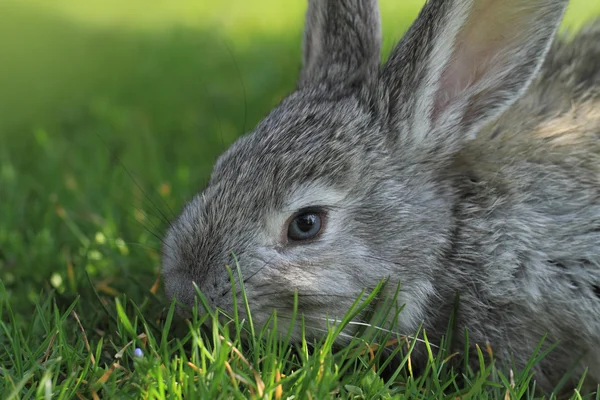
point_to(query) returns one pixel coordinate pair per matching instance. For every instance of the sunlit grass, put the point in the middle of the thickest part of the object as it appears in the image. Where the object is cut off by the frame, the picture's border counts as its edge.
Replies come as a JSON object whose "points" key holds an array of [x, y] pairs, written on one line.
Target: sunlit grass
{"points": [[129, 353], [231, 17], [236, 18]]}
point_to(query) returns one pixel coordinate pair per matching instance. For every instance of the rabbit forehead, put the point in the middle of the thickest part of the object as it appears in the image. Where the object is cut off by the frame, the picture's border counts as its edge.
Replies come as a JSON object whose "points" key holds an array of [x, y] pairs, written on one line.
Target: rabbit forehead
{"points": [[300, 142], [304, 128]]}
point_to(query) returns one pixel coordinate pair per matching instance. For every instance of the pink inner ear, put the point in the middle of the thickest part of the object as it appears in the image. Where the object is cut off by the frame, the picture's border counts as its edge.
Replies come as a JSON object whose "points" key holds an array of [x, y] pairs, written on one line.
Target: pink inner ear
{"points": [[482, 51]]}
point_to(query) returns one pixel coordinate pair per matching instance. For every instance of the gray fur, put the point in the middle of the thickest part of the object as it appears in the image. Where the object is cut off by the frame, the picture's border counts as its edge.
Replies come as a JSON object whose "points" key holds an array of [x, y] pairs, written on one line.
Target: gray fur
{"points": [[335, 51], [486, 184]]}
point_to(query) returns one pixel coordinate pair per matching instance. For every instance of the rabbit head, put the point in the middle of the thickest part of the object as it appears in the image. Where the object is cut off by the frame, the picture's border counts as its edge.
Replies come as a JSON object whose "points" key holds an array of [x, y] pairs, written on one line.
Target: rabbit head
{"points": [[345, 183]]}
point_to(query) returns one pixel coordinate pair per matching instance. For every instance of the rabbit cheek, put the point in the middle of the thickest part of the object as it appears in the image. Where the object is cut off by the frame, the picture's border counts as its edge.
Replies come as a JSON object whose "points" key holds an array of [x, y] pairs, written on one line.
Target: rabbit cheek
{"points": [[324, 291]]}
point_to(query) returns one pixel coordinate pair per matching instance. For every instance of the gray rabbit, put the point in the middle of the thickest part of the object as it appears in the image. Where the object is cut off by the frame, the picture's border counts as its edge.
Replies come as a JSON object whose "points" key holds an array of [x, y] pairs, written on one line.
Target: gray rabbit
{"points": [[468, 163]]}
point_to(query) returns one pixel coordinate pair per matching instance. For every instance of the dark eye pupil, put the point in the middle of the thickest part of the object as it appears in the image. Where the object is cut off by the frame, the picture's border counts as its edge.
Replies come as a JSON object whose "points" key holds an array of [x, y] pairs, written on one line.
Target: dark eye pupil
{"points": [[305, 222], [305, 226]]}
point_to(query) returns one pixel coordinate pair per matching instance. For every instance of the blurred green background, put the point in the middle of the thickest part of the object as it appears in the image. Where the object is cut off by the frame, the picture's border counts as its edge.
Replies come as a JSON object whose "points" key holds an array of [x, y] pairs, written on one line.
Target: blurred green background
{"points": [[112, 114]]}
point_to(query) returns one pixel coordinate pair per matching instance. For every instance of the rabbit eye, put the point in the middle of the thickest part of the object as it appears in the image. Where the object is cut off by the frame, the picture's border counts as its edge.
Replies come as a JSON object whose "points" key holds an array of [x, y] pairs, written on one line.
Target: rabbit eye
{"points": [[305, 225]]}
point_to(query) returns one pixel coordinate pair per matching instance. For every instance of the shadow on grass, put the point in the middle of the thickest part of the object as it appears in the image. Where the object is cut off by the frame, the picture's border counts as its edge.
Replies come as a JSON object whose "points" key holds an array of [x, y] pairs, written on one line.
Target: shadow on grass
{"points": [[75, 103]]}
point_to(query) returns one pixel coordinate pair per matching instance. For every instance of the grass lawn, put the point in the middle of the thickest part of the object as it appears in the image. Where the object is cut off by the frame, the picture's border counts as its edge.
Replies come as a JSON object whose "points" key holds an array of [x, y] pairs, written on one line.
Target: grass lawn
{"points": [[111, 116]]}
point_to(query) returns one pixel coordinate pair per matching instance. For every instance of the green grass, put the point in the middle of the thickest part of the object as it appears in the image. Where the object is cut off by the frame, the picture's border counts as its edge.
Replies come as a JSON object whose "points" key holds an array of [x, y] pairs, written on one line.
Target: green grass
{"points": [[111, 116]]}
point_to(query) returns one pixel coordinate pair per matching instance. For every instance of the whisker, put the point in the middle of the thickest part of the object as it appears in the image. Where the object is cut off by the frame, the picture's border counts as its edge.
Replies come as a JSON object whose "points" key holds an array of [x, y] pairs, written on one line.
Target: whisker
{"points": [[291, 295], [153, 233], [265, 264], [365, 324], [212, 104], [118, 160], [236, 281], [160, 239], [242, 83], [138, 244], [411, 337], [140, 223]]}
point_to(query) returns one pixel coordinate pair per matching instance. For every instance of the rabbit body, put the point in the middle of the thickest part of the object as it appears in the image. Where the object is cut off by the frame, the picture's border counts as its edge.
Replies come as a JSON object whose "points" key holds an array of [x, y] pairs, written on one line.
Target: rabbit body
{"points": [[465, 165], [526, 255]]}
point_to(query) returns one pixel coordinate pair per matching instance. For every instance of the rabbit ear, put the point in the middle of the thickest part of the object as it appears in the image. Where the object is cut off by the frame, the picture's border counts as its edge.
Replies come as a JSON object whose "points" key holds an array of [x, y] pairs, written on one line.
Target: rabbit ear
{"points": [[342, 42], [465, 61]]}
